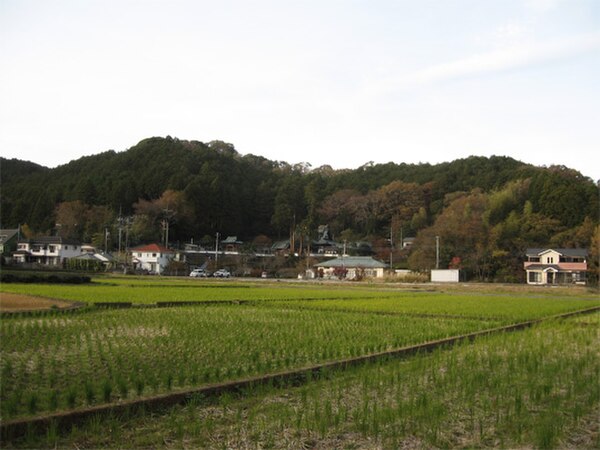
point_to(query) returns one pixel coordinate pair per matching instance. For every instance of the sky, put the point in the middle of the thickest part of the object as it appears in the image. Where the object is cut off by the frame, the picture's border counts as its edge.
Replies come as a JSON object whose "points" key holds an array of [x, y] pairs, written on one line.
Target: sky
{"points": [[327, 82]]}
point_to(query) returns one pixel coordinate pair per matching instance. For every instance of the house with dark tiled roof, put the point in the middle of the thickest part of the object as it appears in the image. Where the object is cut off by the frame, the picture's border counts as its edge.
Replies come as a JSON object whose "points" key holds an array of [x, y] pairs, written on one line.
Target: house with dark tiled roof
{"points": [[356, 267], [556, 265], [231, 244], [48, 250], [325, 245], [281, 248]]}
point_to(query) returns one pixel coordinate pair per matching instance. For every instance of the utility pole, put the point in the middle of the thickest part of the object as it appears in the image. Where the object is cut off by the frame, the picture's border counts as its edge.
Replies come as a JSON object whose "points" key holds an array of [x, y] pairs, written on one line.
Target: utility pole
{"points": [[401, 239], [120, 227], [127, 224], [217, 250], [166, 220], [437, 252], [392, 245]]}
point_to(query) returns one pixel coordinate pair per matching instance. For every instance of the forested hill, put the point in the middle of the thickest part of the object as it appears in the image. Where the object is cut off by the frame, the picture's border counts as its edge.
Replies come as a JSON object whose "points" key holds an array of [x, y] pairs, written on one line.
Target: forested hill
{"points": [[210, 187]]}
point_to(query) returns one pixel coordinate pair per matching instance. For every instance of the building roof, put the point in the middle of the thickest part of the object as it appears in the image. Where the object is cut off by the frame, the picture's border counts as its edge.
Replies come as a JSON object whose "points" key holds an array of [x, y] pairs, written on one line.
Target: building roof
{"points": [[94, 257], [231, 240], [353, 261], [45, 240], [152, 248], [281, 245], [325, 242], [574, 252], [543, 267], [7, 235], [86, 257]]}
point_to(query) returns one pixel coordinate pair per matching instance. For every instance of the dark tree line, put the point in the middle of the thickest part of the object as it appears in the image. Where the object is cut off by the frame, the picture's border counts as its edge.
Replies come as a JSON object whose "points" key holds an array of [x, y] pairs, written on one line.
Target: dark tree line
{"points": [[487, 209]]}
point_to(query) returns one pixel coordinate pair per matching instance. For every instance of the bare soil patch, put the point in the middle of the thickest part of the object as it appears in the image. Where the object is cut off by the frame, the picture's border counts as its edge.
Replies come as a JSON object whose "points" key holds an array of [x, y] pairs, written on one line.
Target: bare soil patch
{"points": [[18, 302]]}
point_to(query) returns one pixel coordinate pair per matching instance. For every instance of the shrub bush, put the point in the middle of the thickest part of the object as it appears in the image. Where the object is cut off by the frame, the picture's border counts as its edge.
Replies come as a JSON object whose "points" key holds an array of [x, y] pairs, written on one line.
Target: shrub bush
{"points": [[31, 277]]}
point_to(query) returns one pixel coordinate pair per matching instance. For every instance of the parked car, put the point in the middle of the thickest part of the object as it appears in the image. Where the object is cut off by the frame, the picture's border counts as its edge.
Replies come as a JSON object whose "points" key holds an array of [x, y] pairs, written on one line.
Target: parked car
{"points": [[199, 273], [222, 273]]}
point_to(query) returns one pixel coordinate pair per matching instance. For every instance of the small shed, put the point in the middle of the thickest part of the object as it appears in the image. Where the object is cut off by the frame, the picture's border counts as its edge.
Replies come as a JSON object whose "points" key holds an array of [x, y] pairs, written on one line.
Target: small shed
{"points": [[445, 276]]}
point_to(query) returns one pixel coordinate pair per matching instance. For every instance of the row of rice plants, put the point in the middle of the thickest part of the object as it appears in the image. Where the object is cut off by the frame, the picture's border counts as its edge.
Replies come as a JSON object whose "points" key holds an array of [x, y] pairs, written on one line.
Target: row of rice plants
{"points": [[507, 308], [150, 294], [533, 389], [53, 363], [510, 390]]}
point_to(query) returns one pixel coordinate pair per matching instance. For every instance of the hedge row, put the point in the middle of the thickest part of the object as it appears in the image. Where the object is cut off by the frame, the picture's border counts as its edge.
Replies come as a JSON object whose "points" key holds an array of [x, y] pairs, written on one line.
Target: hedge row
{"points": [[29, 277]]}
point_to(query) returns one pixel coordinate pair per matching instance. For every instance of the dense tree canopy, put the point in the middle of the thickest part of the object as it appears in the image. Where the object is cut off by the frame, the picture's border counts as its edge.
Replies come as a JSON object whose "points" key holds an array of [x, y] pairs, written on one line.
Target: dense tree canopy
{"points": [[485, 210]]}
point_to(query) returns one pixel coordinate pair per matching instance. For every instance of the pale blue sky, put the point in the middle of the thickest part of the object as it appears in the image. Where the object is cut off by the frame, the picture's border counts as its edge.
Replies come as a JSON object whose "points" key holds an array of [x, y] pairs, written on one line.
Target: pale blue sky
{"points": [[325, 81]]}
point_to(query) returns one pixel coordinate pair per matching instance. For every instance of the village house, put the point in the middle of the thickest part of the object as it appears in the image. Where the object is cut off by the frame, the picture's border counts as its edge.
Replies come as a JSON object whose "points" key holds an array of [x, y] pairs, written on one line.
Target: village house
{"points": [[91, 259], [556, 266], [47, 250], [325, 245], [231, 245], [153, 258], [356, 267]]}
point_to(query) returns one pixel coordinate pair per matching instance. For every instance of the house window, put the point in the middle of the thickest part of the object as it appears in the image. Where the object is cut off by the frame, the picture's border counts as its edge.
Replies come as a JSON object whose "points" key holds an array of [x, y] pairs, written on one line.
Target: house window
{"points": [[535, 277], [139, 255], [550, 260], [154, 255], [534, 259], [578, 276]]}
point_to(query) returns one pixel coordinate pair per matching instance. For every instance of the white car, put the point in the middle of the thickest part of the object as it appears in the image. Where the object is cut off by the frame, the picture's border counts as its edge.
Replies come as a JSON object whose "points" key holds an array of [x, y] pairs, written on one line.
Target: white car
{"points": [[199, 273], [222, 273]]}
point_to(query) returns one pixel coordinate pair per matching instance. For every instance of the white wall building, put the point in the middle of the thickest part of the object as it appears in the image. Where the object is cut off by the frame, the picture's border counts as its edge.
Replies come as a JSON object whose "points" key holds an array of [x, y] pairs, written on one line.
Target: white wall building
{"points": [[445, 275], [49, 250], [152, 257]]}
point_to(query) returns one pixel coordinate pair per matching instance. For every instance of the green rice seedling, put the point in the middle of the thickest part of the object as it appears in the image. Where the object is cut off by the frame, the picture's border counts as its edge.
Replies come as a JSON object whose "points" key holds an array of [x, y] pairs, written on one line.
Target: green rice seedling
{"points": [[53, 400], [168, 381], [71, 397], [107, 389], [90, 393], [11, 405], [122, 387], [139, 385], [32, 403], [52, 435]]}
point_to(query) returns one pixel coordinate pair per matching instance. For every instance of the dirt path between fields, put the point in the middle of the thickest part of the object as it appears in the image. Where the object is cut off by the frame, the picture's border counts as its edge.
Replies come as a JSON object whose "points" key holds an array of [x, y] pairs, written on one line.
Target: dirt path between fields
{"points": [[20, 303]]}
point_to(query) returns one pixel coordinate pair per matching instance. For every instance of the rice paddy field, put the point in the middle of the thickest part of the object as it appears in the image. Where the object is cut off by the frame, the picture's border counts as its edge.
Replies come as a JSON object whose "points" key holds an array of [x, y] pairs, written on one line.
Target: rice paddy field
{"points": [[532, 388]]}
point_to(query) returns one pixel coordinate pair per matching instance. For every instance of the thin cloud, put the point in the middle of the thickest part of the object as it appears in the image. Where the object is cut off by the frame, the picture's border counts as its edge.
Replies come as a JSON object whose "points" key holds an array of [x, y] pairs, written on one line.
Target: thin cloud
{"points": [[514, 57]]}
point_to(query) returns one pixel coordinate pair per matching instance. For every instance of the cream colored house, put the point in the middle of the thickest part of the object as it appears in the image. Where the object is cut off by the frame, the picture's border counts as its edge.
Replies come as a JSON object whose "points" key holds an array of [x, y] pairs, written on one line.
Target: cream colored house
{"points": [[556, 266]]}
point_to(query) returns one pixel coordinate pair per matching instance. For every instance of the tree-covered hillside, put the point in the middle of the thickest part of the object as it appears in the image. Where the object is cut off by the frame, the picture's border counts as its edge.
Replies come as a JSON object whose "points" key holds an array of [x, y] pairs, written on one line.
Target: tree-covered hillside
{"points": [[486, 210]]}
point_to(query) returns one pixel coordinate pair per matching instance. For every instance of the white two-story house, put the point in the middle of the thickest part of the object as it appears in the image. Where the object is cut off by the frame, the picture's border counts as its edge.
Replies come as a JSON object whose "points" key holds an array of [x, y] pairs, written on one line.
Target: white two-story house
{"points": [[152, 257], [556, 266], [48, 250]]}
